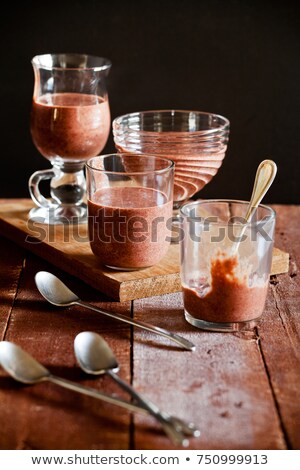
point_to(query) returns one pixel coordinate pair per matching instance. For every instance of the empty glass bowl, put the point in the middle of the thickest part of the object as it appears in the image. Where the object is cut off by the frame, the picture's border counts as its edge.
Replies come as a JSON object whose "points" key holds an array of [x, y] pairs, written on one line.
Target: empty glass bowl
{"points": [[196, 141]]}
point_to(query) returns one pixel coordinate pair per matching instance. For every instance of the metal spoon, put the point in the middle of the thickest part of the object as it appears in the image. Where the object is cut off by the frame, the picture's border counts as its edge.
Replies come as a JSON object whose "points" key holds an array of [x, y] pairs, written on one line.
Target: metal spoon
{"points": [[25, 369], [57, 293], [264, 177], [95, 357]]}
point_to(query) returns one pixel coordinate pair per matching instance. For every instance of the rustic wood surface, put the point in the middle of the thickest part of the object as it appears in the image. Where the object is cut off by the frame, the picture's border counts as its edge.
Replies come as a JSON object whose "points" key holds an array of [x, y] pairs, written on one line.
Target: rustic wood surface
{"points": [[242, 390], [68, 249]]}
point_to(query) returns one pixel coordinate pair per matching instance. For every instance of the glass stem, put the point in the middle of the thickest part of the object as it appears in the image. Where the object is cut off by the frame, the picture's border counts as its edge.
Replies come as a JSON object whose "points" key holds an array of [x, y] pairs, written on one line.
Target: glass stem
{"points": [[68, 187]]}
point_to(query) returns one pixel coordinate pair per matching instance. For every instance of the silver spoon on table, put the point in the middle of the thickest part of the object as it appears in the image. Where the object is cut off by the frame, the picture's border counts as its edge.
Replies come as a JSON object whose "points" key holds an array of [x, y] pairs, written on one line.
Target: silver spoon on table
{"points": [[95, 357], [57, 293], [25, 369]]}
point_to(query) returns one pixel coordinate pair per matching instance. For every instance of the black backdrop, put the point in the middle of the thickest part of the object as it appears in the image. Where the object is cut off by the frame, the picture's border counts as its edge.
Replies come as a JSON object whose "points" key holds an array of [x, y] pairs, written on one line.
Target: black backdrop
{"points": [[238, 58]]}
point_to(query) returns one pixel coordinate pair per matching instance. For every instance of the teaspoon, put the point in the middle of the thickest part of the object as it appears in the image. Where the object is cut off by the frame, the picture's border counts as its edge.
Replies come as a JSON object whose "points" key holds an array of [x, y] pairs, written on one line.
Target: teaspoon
{"points": [[57, 293], [94, 356], [264, 177]]}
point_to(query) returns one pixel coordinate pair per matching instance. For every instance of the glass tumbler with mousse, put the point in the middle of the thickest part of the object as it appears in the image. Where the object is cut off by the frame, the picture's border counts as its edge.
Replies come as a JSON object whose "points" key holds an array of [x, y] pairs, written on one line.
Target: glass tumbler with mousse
{"points": [[225, 266], [130, 201]]}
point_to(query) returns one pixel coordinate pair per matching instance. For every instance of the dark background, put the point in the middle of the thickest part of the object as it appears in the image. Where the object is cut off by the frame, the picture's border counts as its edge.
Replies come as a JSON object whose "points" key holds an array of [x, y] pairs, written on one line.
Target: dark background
{"points": [[236, 58]]}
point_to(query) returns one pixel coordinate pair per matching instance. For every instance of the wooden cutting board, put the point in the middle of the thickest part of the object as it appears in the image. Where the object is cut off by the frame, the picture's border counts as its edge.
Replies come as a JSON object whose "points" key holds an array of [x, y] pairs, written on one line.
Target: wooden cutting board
{"points": [[68, 248]]}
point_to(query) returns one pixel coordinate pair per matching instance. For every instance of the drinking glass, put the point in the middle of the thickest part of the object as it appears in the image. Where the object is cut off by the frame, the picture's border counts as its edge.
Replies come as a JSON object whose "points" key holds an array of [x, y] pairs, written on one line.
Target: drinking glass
{"points": [[225, 263], [70, 123], [130, 209]]}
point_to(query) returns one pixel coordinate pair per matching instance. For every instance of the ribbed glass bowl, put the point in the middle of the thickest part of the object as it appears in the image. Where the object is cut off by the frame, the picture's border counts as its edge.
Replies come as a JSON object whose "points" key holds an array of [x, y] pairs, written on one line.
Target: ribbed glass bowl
{"points": [[196, 141]]}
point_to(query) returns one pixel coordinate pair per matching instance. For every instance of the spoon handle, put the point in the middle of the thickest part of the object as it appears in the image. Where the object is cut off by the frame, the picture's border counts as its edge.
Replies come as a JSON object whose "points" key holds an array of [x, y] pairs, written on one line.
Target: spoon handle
{"points": [[164, 419], [91, 392], [146, 326], [265, 175], [174, 435]]}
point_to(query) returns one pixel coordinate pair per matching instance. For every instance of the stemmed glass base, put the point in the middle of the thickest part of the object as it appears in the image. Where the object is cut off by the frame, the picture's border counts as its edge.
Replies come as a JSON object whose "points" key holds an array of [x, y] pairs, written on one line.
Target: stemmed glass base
{"points": [[67, 204], [61, 215]]}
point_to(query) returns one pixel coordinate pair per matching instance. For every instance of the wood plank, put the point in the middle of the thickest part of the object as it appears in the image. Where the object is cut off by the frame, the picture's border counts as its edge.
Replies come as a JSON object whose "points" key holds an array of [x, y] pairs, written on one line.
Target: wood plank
{"points": [[45, 416], [68, 249], [222, 386], [280, 329], [11, 263]]}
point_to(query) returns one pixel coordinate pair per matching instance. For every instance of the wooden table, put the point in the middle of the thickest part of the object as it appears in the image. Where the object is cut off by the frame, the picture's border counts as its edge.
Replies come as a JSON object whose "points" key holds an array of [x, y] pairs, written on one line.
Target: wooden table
{"points": [[244, 392]]}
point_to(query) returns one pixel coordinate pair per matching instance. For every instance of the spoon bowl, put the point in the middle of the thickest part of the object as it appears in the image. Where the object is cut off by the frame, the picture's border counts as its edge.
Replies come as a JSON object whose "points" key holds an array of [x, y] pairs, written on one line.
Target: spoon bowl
{"points": [[54, 290], [21, 365], [93, 354]]}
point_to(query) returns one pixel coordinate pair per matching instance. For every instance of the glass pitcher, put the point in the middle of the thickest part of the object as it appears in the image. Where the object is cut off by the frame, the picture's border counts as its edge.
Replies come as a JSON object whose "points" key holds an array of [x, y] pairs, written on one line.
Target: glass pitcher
{"points": [[70, 123]]}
